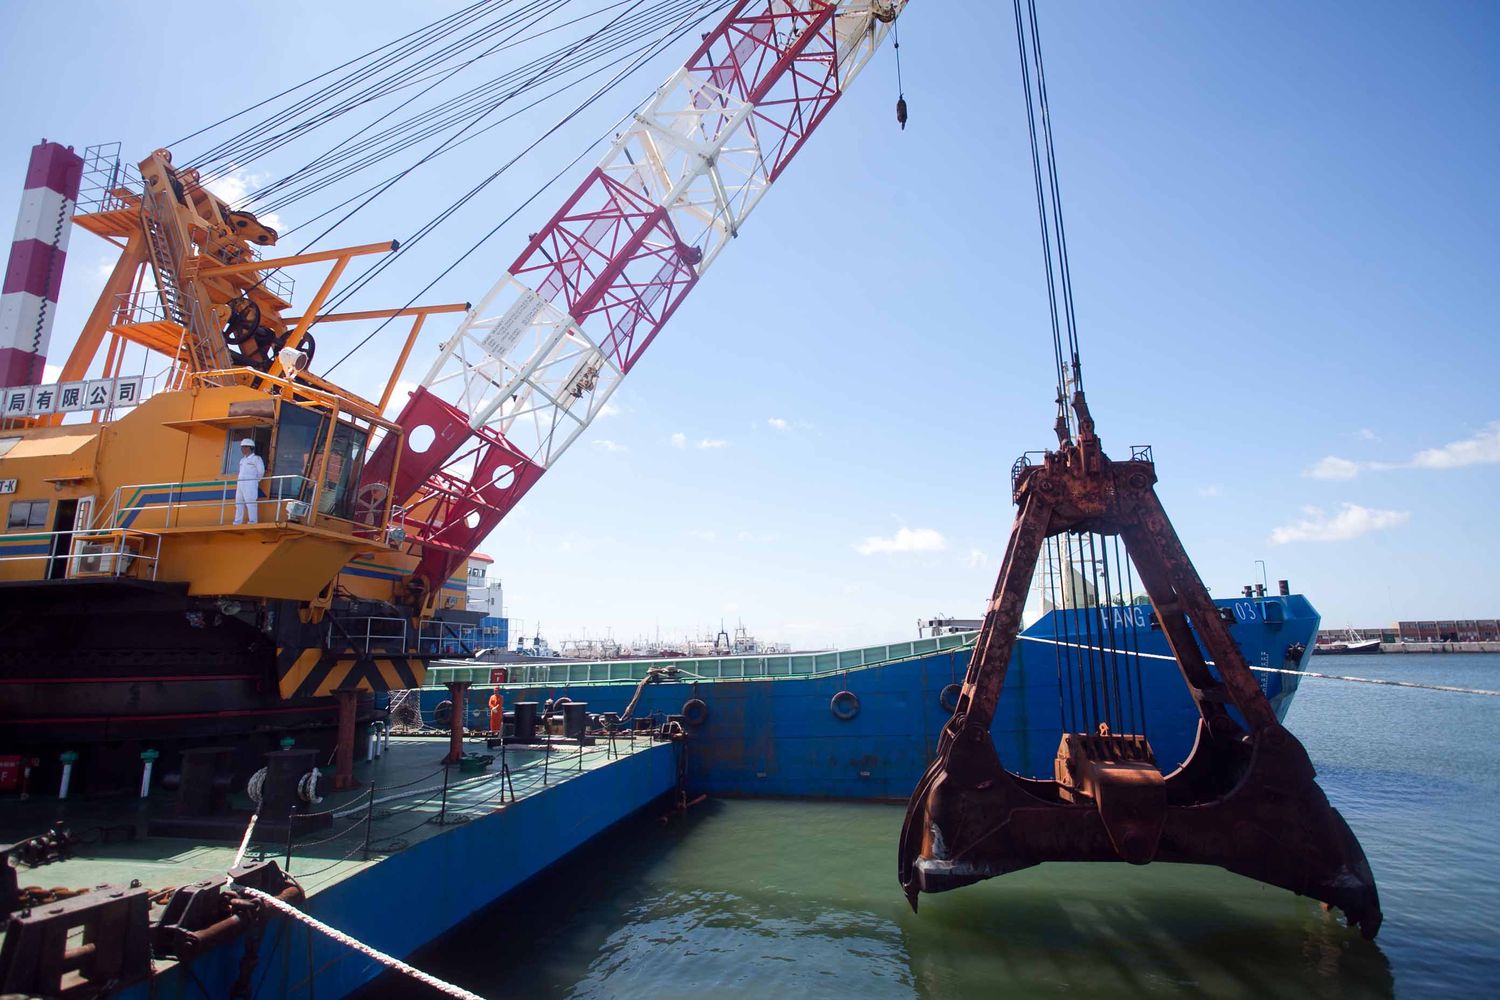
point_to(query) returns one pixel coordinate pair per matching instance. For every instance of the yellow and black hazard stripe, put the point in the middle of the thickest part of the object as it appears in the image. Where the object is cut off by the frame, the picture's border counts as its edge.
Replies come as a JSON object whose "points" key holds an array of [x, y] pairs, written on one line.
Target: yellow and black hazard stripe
{"points": [[312, 671]]}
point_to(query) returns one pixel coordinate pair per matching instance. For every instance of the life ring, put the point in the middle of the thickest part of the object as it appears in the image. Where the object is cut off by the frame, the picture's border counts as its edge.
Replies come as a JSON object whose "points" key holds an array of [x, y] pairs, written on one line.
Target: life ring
{"points": [[844, 705], [695, 711], [948, 698], [443, 714]]}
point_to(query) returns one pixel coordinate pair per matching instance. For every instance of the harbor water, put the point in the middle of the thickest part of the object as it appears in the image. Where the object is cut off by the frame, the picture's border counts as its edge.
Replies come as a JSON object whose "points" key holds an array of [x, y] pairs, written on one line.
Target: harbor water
{"points": [[762, 898]]}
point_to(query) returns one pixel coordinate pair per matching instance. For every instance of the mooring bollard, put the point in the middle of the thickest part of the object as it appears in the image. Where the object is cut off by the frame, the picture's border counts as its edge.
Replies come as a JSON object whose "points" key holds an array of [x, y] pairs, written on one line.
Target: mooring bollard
{"points": [[149, 756], [68, 758]]}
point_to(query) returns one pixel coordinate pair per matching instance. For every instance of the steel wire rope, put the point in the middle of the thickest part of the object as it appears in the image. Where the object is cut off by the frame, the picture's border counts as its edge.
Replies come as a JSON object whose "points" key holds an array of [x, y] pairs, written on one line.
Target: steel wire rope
{"points": [[1057, 218], [380, 265], [543, 8], [368, 148], [251, 139], [1128, 627], [313, 186], [1041, 207], [366, 55], [689, 22], [1107, 628]]}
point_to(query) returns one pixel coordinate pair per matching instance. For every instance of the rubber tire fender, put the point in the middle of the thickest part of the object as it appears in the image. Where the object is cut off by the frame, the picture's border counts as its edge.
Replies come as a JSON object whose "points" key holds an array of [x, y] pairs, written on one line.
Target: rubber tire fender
{"points": [[948, 697], [844, 705], [695, 711]]}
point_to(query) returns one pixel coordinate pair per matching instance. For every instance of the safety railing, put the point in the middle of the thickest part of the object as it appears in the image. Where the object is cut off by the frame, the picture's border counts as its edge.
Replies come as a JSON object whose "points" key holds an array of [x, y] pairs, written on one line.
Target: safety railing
{"points": [[362, 633], [205, 503], [449, 637], [784, 665], [105, 177], [91, 553]]}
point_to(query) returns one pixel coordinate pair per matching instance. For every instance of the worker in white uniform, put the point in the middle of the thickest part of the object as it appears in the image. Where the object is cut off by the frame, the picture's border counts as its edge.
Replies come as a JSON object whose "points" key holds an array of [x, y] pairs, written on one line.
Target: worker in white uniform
{"points": [[247, 485]]}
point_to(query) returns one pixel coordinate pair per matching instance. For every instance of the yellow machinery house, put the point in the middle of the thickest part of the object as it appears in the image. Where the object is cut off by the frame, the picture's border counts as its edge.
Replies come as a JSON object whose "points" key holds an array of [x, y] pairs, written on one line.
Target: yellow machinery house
{"points": [[135, 607]]}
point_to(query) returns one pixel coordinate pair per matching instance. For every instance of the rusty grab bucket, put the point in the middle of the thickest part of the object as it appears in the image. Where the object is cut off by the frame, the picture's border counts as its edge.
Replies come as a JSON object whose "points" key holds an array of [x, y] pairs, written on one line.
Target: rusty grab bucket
{"points": [[1246, 799]]}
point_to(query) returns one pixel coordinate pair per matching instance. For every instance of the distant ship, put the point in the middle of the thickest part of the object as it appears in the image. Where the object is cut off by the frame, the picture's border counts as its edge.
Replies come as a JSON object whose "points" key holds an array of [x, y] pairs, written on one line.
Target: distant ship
{"points": [[1346, 647]]}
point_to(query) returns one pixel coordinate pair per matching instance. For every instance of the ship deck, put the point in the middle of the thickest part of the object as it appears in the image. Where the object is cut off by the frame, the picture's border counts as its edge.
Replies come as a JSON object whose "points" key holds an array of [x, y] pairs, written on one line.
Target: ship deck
{"points": [[404, 892]]}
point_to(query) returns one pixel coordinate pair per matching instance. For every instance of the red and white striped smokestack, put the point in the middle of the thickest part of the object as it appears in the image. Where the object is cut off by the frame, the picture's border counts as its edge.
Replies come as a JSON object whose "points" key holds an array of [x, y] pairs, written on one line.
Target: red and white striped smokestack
{"points": [[29, 296]]}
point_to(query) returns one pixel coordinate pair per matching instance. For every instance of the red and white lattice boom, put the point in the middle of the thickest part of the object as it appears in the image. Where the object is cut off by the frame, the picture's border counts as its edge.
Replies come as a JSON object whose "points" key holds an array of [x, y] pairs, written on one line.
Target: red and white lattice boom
{"points": [[534, 362]]}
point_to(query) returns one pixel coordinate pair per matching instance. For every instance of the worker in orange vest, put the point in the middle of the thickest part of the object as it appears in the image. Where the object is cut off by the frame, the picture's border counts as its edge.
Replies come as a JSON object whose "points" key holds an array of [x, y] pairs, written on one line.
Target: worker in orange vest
{"points": [[497, 711]]}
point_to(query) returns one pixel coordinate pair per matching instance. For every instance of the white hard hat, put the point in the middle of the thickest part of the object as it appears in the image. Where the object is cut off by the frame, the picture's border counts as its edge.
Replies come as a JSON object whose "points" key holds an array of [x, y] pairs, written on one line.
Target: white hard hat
{"points": [[247, 443]]}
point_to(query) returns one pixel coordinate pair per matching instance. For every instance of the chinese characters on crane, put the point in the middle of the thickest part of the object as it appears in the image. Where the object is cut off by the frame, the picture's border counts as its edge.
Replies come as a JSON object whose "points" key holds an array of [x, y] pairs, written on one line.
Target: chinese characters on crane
{"points": [[69, 397]]}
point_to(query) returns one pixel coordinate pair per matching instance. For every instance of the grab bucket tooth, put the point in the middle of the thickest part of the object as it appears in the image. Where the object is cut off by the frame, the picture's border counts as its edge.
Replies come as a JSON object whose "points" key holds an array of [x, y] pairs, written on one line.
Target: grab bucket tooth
{"points": [[1246, 799]]}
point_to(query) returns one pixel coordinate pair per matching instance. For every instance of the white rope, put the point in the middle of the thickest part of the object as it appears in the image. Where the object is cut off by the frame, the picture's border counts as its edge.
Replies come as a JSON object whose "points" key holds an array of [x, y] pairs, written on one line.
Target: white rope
{"points": [[1275, 670], [245, 840], [1374, 680], [389, 962]]}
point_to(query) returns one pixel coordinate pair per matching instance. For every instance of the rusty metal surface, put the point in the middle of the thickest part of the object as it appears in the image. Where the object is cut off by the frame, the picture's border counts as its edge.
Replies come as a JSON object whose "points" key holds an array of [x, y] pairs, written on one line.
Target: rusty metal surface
{"points": [[1246, 799]]}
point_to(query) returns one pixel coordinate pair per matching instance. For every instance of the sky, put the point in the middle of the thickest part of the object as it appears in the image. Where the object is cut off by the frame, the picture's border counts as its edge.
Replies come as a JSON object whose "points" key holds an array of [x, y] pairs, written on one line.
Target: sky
{"points": [[1285, 245]]}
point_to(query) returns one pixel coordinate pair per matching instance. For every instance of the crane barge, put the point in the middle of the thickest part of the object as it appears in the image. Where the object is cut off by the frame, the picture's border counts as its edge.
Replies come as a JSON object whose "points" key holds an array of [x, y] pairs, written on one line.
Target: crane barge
{"points": [[120, 489]]}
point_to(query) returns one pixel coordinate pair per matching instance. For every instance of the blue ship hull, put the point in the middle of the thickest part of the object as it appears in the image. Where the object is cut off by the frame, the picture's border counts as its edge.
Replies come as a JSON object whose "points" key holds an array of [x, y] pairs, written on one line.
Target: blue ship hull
{"points": [[771, 729]]}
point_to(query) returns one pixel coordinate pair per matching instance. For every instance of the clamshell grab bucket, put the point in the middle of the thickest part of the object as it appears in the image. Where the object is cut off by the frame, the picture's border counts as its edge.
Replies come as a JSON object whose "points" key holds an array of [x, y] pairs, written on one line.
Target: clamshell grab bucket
{"points": [[1246, 799]]}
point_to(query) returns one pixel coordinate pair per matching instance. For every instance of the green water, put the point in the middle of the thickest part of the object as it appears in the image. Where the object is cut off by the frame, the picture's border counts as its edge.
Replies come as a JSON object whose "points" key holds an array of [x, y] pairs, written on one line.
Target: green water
{"points": [[752, 899]]}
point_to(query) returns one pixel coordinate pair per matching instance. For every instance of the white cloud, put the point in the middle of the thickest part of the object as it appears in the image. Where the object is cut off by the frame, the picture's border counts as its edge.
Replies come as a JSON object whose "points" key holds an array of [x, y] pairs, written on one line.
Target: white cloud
{"points": [[752, 536], [1481, 449], [1351, 521], [978, 559], [1365, 434], [51, 373], [1333, 467], [679, 440], [904, 540], [605, 444], [609, 410], [711, 443], [778, 424], [1209, 491], [703, 535]]}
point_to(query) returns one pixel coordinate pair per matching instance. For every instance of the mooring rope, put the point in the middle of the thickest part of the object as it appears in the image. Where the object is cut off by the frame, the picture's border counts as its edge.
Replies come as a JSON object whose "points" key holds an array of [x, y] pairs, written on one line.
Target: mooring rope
{"points": [[390, 962], [1375, 680], [1295, 673]]}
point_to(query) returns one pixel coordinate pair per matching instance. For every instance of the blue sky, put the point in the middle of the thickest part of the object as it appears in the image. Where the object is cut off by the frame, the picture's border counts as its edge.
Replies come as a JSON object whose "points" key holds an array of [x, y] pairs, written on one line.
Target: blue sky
{"points": [[1285, 246]]}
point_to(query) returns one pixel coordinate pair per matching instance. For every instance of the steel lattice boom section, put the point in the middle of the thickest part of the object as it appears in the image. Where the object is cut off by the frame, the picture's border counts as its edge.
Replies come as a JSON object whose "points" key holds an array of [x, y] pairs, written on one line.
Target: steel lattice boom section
{"points": [[537, 358]]}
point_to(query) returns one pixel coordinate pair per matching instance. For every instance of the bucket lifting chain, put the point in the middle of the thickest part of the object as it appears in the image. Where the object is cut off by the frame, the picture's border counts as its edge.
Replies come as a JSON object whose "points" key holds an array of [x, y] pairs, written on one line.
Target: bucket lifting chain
{"points": [[1246, 799]]}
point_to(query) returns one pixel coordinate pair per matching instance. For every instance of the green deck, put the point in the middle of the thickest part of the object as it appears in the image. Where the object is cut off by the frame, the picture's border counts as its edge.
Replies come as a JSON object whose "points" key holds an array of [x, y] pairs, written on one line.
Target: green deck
{"points": [[115, 853], [547, 673]]}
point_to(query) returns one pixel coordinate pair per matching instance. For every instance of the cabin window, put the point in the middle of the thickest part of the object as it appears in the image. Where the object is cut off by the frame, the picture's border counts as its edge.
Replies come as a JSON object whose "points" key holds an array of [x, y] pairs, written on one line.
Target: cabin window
{"points": [[6, 444], [299, 435], [346, 460], [27, 514]]}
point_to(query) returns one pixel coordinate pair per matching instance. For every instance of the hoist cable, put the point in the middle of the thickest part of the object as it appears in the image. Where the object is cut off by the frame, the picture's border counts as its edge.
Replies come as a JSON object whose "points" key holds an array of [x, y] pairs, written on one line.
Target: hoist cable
{"points": [[369, 150], [694, 18], [437, 80], [243, 143], [1046, 229], [380, 265], [296, 87], [1057, 216]]}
